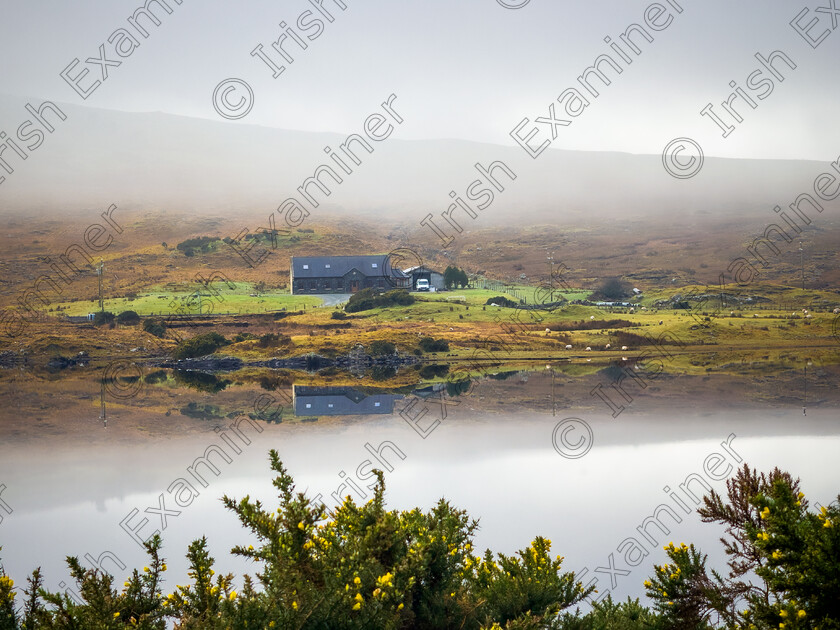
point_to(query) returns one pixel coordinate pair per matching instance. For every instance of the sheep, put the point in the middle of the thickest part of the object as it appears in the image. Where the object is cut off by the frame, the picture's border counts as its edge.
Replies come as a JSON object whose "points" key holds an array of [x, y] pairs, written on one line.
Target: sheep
{"points": [[591, 317], [607, 347], [836, 310], [732, 313], [568, 346], [588, 349], [547, 330], [632, 310], [755, 315], [624, 348], [623, 358]]}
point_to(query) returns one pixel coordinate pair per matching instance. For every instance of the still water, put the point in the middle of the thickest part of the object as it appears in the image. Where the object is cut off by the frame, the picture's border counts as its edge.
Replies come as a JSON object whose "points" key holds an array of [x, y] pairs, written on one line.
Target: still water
{"points": [[77, 487]]}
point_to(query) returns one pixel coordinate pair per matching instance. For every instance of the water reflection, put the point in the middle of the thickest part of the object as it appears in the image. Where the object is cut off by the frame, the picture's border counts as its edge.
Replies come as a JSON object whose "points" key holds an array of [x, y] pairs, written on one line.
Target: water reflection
{"points": [[340, 401]]}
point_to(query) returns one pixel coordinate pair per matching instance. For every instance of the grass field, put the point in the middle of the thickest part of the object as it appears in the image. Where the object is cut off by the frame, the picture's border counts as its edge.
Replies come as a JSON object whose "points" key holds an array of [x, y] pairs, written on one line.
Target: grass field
{"points": [[238, 299]]}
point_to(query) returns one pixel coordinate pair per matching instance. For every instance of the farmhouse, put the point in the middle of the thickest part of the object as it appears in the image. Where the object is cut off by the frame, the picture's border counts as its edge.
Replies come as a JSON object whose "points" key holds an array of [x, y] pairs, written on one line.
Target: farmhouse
{"points": [[344, 274]]}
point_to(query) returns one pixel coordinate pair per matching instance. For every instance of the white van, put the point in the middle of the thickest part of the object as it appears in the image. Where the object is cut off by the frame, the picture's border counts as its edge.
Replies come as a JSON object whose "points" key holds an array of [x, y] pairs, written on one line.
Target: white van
{"points": [[422, 285]]}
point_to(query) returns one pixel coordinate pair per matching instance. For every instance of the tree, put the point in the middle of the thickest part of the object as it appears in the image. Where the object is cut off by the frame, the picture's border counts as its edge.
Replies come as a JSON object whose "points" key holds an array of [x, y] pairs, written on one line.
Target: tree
{"points": [[613, 289]]}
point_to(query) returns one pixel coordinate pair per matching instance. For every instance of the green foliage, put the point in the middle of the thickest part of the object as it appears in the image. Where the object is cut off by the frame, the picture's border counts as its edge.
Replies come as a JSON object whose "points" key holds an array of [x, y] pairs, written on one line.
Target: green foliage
{"points": [[103, 318], [434, 370], [367, 299], [609, 615], [128, 318], [379, 347], [200, 381], [154, 327], [338, 315], [770, 534], [201, 244], [199, 346], [454, 277], [613, 289], [429, 344], [363, 566]]}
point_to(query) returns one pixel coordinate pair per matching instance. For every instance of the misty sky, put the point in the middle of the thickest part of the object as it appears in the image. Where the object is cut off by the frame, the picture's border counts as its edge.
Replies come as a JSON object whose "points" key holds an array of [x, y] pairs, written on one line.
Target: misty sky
{"points": [[466, 69]]}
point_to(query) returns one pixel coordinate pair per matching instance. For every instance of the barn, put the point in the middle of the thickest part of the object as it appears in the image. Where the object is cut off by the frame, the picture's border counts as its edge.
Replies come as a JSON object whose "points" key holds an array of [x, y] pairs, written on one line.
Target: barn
{"points": [[435, 278], [313, 275]]}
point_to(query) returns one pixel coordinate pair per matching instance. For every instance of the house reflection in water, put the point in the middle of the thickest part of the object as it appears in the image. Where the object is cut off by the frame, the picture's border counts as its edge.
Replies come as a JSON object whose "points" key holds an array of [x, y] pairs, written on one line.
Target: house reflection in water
{"points": [[340, 401]]}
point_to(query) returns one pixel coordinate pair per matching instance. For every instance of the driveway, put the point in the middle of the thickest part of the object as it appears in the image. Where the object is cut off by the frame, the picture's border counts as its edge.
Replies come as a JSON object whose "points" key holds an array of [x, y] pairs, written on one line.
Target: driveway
{"points": [[335, 299]]}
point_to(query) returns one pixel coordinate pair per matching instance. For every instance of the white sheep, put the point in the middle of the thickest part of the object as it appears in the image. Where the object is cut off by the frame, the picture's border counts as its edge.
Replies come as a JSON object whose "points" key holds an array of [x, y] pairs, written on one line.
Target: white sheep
{"points": [[591, 317], [547, 330], [836, 310], [624, 348], [568, 346], [623, 358], [588, 349], [607, 347]]}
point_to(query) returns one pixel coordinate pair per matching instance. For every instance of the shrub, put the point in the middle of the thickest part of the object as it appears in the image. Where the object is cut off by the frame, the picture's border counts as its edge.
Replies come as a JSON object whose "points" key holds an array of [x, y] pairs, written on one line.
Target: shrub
{"points": [[382, 347], [103, 318], [154, 327], [338, 315], [272, 340], [128, 318], [428, 344], [434, 370], [199, 346], [502, 301], [367, 299]]}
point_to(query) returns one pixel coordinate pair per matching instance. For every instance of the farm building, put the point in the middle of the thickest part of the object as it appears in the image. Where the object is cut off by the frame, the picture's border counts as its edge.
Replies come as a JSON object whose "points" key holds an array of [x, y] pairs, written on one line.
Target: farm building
{"points": [[344, 274], [422, 272]]}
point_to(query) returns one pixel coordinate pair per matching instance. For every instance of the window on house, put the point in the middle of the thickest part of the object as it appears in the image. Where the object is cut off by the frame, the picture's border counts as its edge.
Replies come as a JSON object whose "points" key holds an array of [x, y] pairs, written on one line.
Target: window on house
{"points": [[327, 265], [306, 266], [376, 404], [309, 405], [330, 405], [374, 265]]}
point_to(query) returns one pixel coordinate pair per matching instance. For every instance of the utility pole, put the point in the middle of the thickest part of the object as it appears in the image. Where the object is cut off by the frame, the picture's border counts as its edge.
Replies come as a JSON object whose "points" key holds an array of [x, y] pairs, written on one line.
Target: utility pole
{"points": [[99, 271], [550, 260], [102, 415], [802, 263]]}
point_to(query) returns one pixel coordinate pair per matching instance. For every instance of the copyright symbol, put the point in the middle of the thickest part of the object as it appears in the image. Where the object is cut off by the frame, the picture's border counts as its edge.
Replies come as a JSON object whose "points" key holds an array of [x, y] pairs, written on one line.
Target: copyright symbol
{"points": [[122, 379], [682, 168], [513, 4], [564, 446], [229, 107]]}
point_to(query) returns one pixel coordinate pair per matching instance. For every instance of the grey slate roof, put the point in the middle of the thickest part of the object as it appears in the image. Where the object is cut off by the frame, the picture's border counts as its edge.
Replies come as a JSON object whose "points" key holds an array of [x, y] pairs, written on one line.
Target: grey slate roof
{"points": [[340, 266]]}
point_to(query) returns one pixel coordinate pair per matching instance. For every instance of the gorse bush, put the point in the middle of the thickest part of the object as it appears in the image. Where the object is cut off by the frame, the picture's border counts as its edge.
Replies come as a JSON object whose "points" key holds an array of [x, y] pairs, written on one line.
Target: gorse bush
{"points": [[367, 299], [199, 346], [365, 567]]}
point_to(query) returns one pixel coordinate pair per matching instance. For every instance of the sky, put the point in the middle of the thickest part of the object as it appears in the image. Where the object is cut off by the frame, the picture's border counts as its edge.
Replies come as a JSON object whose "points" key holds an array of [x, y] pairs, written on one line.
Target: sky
{"points": [[463, 69]]}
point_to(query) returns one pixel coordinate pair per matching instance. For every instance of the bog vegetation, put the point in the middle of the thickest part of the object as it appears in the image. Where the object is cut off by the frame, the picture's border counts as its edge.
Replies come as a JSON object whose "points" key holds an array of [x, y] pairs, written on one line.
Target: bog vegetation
{"points": [[366, 567]]}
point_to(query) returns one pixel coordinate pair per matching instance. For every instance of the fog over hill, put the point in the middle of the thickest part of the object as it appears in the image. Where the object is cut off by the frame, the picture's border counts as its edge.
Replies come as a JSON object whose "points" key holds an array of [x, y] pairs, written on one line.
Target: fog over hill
{"points": [[97, 157]]}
